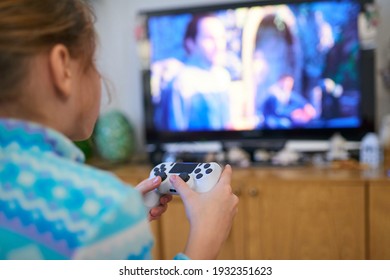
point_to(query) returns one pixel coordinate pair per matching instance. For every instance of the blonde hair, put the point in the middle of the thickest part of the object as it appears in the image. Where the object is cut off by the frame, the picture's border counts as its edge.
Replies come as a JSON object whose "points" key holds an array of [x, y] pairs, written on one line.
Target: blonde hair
{"points": [[30, 27]]}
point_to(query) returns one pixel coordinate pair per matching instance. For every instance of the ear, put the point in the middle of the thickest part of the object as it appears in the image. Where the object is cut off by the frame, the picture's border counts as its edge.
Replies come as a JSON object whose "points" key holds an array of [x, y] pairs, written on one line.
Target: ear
{"points": [[61, 70]]}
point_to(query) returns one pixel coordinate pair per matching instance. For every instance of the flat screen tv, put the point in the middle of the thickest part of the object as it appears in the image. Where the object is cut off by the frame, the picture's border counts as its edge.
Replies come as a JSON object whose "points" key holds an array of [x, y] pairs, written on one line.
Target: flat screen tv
{"points": [[256, 72]]}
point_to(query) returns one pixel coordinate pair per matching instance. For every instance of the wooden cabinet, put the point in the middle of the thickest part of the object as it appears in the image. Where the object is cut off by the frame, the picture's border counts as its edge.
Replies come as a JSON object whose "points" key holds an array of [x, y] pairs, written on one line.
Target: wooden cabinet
{"points": [[291, 213], [379, 219], [305, 219]]}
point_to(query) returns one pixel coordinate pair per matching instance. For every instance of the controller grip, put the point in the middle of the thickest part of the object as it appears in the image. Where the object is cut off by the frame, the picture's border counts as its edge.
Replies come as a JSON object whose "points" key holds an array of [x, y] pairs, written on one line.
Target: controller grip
{"points": [[151, 199]]}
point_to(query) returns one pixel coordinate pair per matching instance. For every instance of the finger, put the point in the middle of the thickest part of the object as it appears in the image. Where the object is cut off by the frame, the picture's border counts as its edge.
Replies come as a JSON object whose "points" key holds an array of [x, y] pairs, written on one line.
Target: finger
{"points": [[226, 175], [166, 198], [148, 184], [156, 212], [181, 187]]}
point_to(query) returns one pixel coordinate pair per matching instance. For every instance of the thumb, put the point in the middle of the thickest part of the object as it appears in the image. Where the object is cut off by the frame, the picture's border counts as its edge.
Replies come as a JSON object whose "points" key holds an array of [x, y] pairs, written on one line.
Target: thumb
{"points": [[181, 187], [148, 184]]}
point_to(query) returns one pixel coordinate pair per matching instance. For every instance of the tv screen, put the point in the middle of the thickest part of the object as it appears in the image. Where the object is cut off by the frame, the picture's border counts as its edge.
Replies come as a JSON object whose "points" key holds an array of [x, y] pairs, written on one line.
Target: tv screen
{"points": [[257, 70]]}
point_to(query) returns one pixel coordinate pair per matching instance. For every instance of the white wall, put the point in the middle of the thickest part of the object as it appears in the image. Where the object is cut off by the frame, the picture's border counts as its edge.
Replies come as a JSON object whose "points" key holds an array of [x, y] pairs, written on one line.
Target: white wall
{"points": [[383, 54], [118, 58]]}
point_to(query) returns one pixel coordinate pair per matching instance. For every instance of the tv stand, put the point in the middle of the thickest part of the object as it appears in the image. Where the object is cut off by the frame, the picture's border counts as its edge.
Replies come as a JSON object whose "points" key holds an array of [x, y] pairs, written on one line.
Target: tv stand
{"points": [[291, 213], [182, 151], [198, 151], [252, 145]]}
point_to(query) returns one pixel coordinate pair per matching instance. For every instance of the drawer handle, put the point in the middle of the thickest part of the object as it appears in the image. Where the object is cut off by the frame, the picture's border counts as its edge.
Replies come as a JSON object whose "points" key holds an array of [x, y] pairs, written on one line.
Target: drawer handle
{"points": [[253, 192]]}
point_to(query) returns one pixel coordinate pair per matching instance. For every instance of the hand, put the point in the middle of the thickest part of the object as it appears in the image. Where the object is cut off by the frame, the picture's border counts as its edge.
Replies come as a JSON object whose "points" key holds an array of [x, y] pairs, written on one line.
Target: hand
{"points": [[148, 185], [210, 215]]}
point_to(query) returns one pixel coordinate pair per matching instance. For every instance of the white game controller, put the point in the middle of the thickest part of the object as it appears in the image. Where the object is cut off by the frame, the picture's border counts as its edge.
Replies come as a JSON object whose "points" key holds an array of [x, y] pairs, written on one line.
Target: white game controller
{"points": [[201, 177]]}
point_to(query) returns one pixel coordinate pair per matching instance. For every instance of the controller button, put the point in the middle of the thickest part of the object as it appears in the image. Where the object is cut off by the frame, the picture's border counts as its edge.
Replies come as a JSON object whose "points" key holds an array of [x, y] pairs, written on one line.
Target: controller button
{"points": [[199, 176], [156, 169], [207, 165], [197, 170], [184, 176], [208, 171], [173, 190], [163, 175], [162, 166]]}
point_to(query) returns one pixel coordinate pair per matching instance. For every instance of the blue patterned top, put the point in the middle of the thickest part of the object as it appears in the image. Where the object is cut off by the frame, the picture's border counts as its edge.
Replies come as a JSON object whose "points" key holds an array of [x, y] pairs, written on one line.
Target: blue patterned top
{"points": [[52, 206]]}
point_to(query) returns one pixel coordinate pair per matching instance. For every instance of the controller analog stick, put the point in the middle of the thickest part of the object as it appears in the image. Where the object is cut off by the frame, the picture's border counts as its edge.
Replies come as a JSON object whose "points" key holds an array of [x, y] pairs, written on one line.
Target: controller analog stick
{"points": [[184, 176]]}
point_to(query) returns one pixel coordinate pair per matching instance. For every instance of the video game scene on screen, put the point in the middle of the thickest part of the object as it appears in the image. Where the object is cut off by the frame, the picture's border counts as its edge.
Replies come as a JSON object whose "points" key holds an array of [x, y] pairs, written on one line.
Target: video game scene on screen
{"points": [[263, 67]]}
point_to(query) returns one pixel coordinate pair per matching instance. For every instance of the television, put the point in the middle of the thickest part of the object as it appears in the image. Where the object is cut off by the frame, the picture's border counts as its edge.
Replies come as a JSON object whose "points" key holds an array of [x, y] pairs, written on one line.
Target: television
{"points": [[256, 74]]}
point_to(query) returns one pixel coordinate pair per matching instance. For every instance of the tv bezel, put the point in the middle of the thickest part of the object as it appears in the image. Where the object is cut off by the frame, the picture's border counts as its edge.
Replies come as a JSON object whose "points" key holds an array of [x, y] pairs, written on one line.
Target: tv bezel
{"points": [[367, 105]]}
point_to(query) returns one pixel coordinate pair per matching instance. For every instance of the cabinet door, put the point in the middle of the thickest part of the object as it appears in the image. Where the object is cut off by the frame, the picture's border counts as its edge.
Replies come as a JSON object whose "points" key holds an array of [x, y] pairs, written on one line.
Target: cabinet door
{"points": [[379, 220], [305, 219], [234, 248], [174, 229]]}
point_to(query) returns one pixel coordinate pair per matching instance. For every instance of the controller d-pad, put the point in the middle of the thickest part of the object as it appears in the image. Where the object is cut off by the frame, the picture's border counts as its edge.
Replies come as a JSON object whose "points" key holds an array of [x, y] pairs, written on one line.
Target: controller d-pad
{"points": [[197, 170], [208, 171], [199, 176], [184, 176], [207, 165]]}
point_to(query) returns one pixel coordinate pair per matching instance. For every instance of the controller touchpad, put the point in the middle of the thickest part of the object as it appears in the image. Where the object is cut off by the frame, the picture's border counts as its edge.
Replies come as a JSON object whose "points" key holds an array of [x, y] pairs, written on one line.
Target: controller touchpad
{"points": [[183, 168]]}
